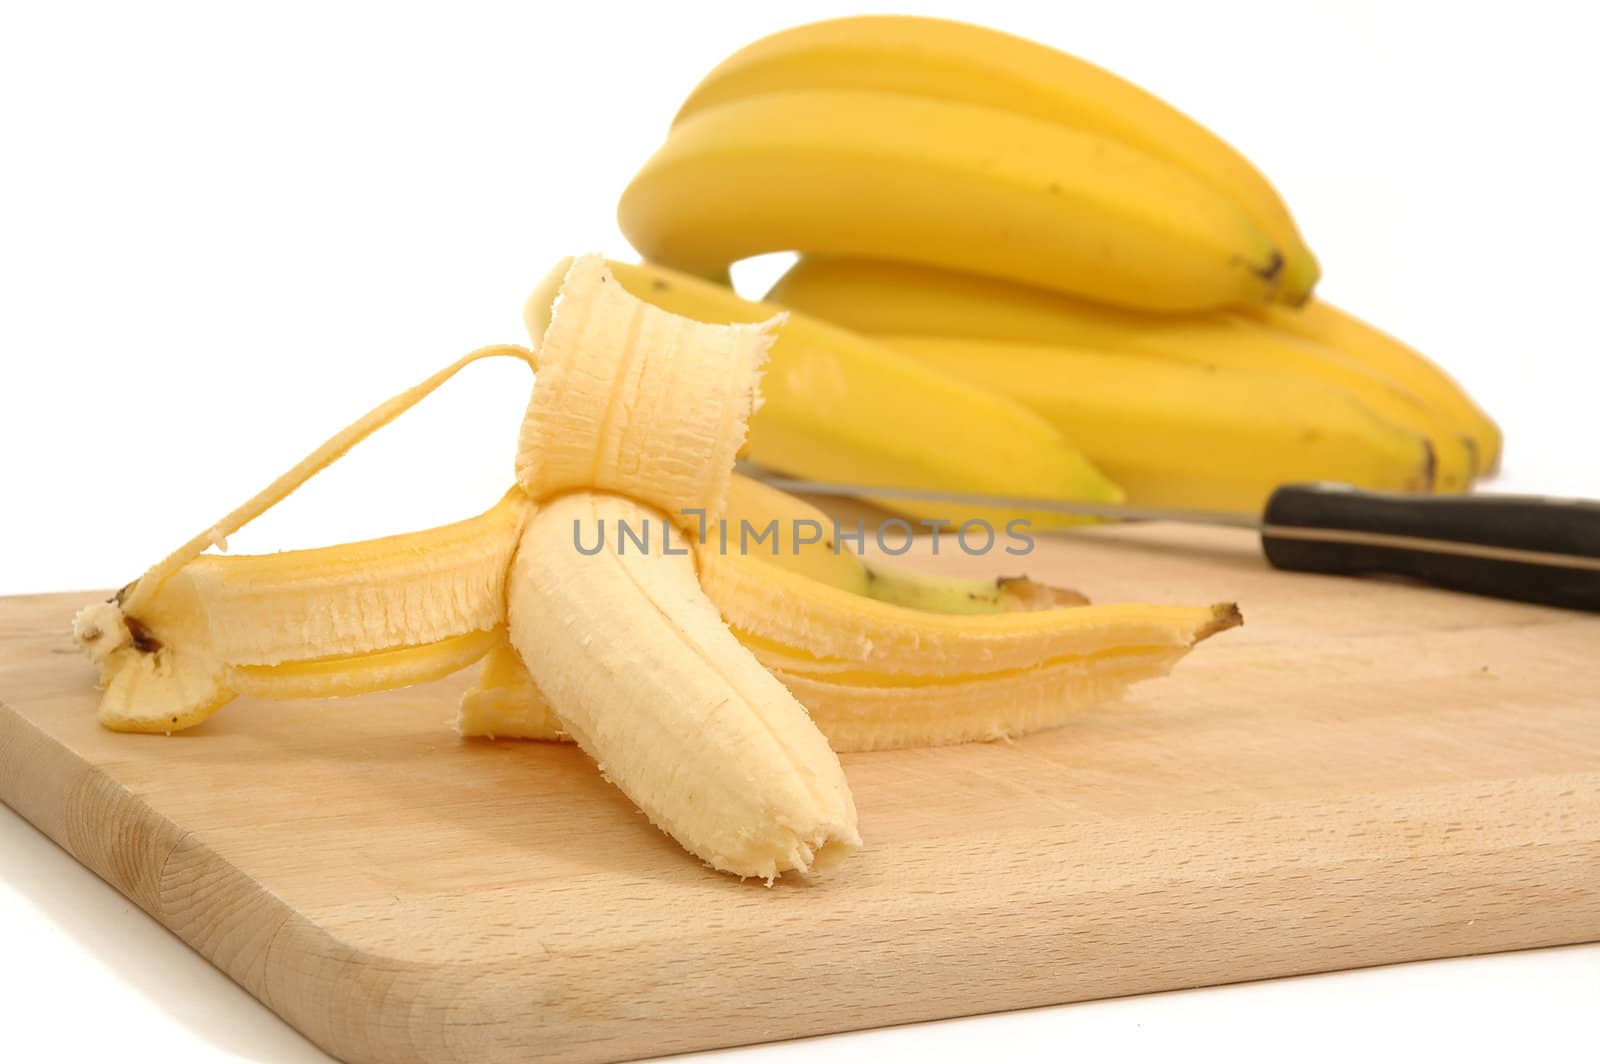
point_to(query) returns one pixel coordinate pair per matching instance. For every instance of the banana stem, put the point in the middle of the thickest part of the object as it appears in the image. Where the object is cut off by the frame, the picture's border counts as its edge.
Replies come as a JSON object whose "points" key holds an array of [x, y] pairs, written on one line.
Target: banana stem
{"points": [[330, 452]]}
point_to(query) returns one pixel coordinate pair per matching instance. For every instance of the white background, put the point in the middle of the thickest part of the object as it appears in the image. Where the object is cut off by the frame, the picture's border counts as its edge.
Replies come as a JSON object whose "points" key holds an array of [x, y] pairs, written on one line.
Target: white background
{"points": [[225, 230]]}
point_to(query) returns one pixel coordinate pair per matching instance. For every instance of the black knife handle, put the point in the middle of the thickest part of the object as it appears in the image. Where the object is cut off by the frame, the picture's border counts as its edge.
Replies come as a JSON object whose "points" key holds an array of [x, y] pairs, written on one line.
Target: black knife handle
{"points": [[1522, 547]]}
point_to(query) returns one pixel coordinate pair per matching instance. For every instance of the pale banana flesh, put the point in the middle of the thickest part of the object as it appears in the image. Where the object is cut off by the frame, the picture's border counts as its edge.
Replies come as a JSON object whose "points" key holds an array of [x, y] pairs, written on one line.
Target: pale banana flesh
{"points": [[947, 183], [945, 60], [677, 670], [883, 298], [641, 671]]}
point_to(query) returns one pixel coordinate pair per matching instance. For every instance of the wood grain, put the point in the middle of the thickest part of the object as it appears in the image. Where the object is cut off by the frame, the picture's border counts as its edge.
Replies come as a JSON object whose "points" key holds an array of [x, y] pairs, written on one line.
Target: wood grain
{"points": [[1366, 773]]}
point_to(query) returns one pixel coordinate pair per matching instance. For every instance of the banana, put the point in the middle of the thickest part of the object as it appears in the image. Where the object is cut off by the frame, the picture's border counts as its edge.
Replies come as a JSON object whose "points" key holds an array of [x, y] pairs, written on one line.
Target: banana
{"points": [[674, 664], [630, 435], [802, 536], [945, 60], [1183, 435], [836, 406], [880, 298], [944, 183], [642, 672], [1323, 323]]}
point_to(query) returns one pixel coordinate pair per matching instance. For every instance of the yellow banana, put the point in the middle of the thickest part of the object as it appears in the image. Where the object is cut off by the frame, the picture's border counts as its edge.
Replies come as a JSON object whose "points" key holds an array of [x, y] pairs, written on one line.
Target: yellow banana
{"points": [[1177, 434], [945, 60], [802, 538], [1323, 323], [949, 184], [837, 406], [881, 298]]}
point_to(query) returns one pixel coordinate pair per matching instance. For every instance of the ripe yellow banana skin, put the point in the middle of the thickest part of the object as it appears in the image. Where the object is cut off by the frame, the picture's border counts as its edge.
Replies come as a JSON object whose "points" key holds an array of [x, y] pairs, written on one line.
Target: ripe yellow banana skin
{"points": [[949, 184], [946, 60], [837, 406], [864, 713], [804, 628], [793, 520], [1177, 434], [883, 298], [1321, 322], [876, 675]]}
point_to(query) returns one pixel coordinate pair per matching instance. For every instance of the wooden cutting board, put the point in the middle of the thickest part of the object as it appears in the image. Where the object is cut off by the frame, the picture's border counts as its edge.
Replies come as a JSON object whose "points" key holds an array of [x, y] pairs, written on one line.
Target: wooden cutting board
{"points": [[1365, 773]]}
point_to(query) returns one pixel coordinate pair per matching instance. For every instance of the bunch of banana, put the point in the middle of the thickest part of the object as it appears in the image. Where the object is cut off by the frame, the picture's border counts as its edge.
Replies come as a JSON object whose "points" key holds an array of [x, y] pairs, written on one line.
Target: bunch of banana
{"points": [[929, 141], [712, 687], [1029, 224]]}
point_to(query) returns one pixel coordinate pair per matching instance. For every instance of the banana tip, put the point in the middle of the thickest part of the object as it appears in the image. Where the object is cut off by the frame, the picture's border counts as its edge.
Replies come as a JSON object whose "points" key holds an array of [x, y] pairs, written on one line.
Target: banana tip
{"points": [[1224, 615]]}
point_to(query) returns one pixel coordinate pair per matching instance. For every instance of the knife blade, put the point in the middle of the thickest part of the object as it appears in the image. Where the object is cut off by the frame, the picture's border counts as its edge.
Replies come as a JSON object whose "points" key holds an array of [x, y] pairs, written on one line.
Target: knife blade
{"points": [[1528, 548]]}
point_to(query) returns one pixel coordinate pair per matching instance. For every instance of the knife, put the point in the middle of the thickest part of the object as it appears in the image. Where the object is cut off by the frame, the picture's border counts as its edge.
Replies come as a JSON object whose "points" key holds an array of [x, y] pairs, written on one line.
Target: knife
{"points": [[1529, 548]]}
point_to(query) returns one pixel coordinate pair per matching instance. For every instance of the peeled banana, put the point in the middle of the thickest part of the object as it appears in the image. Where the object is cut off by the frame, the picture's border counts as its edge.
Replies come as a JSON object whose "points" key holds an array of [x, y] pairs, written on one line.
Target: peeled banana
{"points": [[638, 667], [881, 298], [605, 617], [939, 59]]}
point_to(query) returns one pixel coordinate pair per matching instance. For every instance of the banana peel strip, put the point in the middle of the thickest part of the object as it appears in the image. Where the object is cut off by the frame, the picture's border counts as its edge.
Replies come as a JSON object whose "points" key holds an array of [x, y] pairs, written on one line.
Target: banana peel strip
{"points": [[158, 666]]}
